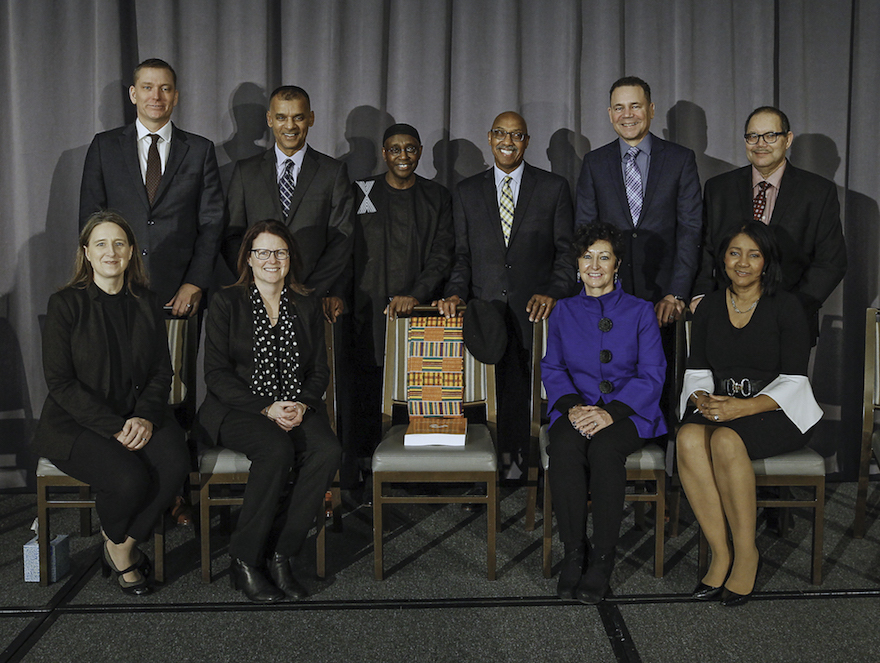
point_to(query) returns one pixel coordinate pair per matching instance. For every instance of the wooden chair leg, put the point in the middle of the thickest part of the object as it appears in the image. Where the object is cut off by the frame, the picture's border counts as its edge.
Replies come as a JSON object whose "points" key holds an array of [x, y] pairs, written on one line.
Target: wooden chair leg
{"points": [[659, 526], [159, 549], [377, 526], [818, 533], [532, 483], [43, 532], [492, 524], [337, 503], [321, 544], [85, 514], [205, 527], [674, 502], [547, 543]]}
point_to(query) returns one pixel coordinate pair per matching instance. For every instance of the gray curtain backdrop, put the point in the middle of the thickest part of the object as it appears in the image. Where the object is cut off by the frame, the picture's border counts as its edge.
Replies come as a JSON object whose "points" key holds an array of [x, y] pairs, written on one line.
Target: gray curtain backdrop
{"points": [[448, 67]]}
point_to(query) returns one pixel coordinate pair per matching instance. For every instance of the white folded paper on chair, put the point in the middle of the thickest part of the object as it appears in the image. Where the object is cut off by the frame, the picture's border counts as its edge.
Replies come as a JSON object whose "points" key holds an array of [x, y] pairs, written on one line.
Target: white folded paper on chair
{"points": [[439, 431]]}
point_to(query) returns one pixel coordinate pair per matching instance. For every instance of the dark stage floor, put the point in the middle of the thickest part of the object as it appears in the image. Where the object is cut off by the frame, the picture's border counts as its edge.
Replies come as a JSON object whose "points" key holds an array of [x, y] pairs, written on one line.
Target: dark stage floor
{"points": [[437, 605]]}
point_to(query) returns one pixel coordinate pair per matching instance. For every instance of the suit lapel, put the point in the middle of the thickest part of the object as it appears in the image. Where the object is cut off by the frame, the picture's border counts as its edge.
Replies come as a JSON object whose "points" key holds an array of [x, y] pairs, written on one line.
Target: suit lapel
{"points": [[269, 173], [179, 148], [787, 189], [129, 149], [526, 189], [615, 176], [304, 179], [493, 216], [655, 172], [744, 194]]}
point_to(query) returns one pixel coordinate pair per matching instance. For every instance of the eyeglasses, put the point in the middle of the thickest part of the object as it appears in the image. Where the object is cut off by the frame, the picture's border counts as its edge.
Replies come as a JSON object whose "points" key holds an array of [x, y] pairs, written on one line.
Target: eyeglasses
{"points": [[263, 254], [769, 137], [409, 149], [516, 136]]}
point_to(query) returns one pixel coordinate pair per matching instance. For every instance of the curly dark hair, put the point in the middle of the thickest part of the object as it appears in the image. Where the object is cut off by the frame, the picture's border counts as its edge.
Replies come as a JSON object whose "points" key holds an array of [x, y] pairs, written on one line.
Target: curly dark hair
{"points": [[587, 235], [761, 235]]}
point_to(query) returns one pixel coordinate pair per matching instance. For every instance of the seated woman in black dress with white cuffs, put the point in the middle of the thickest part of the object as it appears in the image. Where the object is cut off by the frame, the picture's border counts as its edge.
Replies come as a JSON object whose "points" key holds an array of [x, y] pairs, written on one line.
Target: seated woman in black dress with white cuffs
{"points": [[747, 384]]}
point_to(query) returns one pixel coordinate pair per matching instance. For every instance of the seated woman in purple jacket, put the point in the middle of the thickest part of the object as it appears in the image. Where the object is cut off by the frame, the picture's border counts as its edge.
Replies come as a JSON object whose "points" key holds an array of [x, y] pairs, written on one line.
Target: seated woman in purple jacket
{"points": [[603, 373]]}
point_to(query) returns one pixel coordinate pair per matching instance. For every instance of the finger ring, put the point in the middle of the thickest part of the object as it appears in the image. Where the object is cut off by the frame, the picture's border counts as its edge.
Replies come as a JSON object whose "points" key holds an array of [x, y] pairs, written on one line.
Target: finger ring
{"points": [[716, 417], [189, 305], [543, 304], [144, 439], [595, 424]]}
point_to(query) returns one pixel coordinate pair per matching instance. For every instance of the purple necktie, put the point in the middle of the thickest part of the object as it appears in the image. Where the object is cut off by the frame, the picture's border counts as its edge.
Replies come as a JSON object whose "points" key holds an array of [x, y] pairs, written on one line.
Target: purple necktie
{"points": [[154, 168], [632, 178]]}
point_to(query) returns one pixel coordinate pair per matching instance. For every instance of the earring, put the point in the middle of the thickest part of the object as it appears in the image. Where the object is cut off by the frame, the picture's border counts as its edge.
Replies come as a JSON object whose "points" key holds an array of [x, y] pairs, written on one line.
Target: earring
{"points": [[616, 278], [577, 275]]}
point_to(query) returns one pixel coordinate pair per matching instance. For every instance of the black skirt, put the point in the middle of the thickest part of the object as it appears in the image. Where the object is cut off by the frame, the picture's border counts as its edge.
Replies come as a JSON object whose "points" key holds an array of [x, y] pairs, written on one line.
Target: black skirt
{"points": [[765, 434]]}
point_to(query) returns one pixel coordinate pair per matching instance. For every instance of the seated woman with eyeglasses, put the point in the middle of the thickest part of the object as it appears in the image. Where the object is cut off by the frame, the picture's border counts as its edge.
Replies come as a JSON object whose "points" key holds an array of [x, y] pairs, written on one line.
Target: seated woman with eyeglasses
{"points": [[266, 372], [747, 382], [106, 420]]}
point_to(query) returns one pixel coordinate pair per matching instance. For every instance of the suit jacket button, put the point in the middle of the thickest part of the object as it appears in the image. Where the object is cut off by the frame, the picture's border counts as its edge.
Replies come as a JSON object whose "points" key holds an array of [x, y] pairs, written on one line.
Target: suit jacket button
{"points": [[508, 266], [151, 222], [144, 252], [504, 292], [635, 235]]}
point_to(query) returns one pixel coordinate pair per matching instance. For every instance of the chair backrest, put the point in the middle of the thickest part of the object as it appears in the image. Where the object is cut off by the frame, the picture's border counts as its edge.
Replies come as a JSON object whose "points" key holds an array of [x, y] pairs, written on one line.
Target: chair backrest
{"points": [[479, 378], [182, 346]]}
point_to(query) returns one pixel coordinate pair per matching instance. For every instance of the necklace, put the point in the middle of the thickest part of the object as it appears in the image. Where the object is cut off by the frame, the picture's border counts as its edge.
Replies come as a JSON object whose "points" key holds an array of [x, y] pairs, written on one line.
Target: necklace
{"points": [[733, 303]]}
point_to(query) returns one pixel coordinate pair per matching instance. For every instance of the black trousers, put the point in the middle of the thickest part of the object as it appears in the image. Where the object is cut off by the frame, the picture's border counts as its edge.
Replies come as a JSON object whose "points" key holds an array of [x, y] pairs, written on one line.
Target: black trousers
{"points": [[132, 488], [584, 468], [512, 386], [275, 518]]}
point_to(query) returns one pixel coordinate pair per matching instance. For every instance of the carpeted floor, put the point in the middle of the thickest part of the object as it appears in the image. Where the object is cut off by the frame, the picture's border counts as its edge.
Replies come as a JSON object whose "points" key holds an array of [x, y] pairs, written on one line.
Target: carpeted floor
{"points": [[437, 605]]}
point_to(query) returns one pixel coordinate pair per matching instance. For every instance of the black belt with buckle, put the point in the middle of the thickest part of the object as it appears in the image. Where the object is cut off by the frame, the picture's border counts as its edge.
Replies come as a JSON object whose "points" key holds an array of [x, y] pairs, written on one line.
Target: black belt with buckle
{"points": [[745, 388]]}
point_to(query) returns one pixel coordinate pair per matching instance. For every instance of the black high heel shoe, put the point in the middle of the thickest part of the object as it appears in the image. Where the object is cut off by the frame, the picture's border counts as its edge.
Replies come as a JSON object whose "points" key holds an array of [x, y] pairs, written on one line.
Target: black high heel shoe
{"points": [[731, 599], [253, 583], [140, 587], [704, 592]]}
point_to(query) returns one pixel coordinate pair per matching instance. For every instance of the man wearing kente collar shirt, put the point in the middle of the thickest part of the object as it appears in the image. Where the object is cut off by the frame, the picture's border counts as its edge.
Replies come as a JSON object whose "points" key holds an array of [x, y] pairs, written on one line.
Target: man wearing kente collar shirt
{"points": [[513, 227], [403, 241]]}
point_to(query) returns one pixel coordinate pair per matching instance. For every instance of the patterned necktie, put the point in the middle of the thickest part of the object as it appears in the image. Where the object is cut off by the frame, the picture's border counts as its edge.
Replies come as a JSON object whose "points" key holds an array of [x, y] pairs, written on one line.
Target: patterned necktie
{"points": [[632, 179], [286, 186], [760, 202], [154, 168], [506, 210]]}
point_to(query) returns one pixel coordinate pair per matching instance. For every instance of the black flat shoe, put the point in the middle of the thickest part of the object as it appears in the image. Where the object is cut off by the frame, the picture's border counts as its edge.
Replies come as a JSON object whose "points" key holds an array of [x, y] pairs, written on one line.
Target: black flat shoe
{"points": [[253, 583], [279, 572], [731, 599], [704, 592]]}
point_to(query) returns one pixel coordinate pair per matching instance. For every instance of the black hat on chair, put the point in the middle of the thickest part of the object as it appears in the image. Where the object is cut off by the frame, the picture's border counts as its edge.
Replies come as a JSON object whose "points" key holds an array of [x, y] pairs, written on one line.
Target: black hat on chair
{"points": [[485, 334]]}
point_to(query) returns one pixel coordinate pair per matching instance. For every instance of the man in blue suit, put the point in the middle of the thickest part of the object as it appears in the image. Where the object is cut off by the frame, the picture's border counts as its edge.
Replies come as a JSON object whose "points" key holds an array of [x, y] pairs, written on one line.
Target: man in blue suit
{"points": [[648, 188]]}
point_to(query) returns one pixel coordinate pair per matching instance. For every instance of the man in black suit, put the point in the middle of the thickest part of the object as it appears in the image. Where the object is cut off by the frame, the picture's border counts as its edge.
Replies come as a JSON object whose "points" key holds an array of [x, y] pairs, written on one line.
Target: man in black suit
{"points": [[648, 188], [513, 228], [167, 188], [800, 207], [301, 187]]}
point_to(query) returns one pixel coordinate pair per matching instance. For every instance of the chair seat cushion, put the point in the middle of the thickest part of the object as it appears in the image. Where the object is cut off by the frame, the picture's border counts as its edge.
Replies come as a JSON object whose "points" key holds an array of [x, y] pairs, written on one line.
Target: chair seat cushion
{"points": [[46, 468], [477, 454], [219, 460], [649, 457], [803, 462]]}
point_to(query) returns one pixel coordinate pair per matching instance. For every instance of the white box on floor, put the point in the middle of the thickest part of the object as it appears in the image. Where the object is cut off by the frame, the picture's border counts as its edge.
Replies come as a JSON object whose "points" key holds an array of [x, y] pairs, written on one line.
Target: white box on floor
{"points": [[59, 559]]}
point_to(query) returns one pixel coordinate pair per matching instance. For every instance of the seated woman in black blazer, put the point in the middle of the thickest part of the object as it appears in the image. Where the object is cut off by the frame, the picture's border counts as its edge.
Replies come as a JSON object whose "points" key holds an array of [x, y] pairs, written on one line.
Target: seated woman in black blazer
{"points": [[106, 420], [266, 372]]}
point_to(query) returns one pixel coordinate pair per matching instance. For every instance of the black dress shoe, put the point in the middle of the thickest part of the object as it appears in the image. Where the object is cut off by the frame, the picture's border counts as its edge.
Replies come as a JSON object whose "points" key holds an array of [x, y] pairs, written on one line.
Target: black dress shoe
{"points": [[279, 571], [253, 583], [139, 587], [571, 571], [595, 583], [704, 592]]}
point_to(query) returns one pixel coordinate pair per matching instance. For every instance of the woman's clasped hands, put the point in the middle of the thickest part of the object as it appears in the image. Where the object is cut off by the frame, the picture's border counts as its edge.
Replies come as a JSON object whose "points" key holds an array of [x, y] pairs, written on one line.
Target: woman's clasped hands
{"points": [[589, 419], [287, 414]]}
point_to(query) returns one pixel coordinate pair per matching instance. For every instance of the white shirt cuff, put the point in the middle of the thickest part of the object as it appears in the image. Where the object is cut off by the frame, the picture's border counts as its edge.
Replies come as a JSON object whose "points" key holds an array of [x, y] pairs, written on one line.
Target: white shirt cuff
{"points": [[794, 395], [695, 380]]}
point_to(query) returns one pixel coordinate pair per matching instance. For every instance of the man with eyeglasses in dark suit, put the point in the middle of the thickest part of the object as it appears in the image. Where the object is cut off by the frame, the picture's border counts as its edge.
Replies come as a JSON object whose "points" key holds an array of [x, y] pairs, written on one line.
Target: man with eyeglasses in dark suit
{"points": [[800, 207]]}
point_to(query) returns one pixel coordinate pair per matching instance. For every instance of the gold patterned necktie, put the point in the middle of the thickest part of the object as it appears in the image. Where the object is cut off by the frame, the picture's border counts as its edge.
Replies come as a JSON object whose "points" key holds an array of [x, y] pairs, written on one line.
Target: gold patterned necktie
{"points": [[506, 209]]}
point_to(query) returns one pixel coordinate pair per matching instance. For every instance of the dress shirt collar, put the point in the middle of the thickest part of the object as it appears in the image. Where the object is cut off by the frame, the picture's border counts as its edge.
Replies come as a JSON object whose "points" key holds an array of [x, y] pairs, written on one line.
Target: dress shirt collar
{"points": [[644, 145], [516, 176], [164, 133], [297, 157], [774, 179]]}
